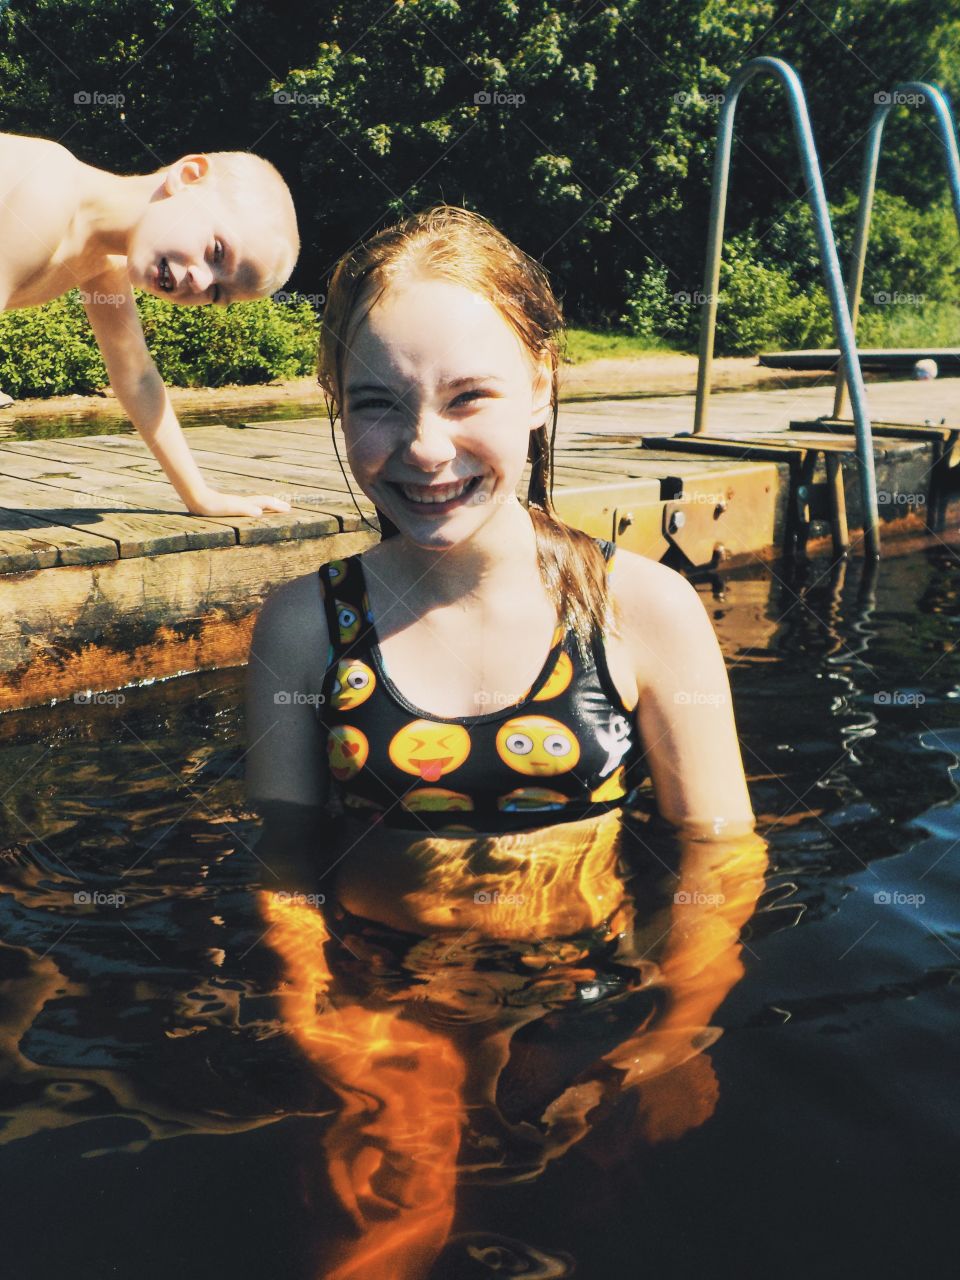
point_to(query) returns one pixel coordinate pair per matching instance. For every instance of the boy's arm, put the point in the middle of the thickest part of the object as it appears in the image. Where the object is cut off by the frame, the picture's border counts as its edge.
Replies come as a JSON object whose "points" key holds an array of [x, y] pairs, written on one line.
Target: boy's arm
{"points": [[109, 303]]}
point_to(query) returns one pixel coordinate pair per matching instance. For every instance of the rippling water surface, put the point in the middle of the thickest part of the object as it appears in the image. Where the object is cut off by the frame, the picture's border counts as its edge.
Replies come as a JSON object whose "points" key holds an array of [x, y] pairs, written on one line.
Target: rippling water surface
{"points": [[193, 1086]]}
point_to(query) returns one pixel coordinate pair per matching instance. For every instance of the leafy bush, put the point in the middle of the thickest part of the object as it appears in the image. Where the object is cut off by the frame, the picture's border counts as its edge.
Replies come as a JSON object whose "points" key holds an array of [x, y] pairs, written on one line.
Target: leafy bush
{"points": [[760, 306], [771, 283], [50, 350]]}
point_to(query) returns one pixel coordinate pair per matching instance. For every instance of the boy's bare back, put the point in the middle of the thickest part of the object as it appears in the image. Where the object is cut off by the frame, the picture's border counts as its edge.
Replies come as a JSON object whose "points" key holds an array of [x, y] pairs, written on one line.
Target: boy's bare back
{"points": [[41, 253], [217, 228]]}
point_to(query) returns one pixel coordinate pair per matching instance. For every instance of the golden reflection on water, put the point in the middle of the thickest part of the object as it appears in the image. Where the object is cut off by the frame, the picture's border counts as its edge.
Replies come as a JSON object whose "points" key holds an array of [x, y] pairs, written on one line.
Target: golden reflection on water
{"points": [[416, 1057]]}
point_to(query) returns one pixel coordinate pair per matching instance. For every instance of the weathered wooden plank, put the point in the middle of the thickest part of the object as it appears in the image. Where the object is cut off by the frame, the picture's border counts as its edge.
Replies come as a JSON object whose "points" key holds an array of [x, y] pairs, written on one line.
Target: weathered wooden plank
{"points": [[29, 542], [100, 503], [101, 627], [138, 478], [317, 476]]}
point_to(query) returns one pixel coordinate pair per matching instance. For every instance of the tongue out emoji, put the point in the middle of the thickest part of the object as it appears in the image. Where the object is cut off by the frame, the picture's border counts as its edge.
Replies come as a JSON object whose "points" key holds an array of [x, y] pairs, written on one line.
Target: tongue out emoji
{"points": [[429, 748], [432, 770]]}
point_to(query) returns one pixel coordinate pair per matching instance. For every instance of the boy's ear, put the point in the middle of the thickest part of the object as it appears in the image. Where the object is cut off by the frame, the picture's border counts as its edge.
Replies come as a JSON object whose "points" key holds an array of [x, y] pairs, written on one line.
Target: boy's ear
{"points": [[184, 171], [542, 394]]}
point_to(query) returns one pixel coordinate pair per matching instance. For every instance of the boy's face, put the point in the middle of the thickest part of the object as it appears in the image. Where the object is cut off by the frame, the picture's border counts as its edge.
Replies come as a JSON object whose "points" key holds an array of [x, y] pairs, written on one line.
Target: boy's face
{"points": [[191, 246]]}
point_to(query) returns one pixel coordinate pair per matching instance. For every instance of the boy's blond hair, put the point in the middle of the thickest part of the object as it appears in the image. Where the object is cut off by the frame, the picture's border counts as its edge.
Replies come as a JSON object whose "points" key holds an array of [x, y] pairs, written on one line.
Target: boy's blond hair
{"points": [[245, 179]]}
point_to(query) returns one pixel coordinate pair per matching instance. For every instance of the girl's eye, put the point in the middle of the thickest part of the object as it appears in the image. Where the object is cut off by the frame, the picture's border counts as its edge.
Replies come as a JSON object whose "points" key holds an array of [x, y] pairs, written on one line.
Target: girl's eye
{"points": [[370, 404], [476, 392]]}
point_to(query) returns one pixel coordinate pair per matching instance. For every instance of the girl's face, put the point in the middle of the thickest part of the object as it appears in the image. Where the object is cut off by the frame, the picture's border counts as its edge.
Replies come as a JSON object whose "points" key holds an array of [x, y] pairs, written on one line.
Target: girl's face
{"points": [[439, 400]]}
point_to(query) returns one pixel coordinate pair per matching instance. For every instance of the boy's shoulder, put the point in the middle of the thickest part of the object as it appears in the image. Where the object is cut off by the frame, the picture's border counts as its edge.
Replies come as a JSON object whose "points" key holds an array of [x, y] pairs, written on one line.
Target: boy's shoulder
{"points": [[40, 156]]}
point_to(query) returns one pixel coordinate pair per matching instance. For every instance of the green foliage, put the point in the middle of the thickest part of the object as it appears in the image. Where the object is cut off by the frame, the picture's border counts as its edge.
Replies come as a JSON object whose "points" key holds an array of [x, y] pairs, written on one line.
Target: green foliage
{"points": [[596, 158], [50, 350], [246, 343], [762, 307]]}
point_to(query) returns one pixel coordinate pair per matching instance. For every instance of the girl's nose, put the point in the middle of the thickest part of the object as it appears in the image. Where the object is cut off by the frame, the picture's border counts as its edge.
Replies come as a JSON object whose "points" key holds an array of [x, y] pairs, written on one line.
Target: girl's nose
{"points": [[431, 445]]}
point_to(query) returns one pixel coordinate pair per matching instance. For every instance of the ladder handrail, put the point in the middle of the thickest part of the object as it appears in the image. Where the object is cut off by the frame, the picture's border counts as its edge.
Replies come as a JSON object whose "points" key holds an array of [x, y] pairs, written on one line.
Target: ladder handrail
{"points": [[828, 258], [904, 91]]}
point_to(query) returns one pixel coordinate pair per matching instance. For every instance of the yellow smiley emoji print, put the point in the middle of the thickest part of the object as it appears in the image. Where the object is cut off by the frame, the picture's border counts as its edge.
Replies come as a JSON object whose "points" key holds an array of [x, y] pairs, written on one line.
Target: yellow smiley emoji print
{"points": [[532, 798], [354, 684], [538, 746], [347, 749], [348, 620], [429, 749], [557, 680], [435, 800]]}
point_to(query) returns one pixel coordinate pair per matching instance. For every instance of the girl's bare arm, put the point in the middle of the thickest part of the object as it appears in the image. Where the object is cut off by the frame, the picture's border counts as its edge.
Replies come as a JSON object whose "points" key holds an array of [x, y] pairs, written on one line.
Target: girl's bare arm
{"points": [[286, 762]]}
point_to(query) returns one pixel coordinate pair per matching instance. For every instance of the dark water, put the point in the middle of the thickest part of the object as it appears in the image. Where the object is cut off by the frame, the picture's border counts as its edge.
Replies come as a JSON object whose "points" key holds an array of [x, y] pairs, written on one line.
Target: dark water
{"points": [[159, 1119]]}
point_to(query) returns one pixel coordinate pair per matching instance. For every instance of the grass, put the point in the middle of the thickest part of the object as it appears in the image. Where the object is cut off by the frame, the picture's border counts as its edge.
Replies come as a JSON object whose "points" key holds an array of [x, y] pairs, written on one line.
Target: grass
{"points": [[588, 344], [934, 324]]}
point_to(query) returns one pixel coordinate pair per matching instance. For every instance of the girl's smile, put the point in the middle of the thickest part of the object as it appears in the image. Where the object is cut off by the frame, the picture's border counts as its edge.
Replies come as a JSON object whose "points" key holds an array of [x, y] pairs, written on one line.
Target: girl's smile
{"points": [[438, 499]]}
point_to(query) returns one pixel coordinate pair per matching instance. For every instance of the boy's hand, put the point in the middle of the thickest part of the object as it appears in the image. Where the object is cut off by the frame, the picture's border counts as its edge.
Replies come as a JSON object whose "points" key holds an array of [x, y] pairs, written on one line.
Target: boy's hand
{"points": [[213, 503]]}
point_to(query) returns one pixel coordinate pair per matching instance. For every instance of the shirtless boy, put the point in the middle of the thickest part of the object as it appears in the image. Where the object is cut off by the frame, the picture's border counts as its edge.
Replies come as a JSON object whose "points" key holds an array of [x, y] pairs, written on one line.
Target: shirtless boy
{"points": [[217, 228]]}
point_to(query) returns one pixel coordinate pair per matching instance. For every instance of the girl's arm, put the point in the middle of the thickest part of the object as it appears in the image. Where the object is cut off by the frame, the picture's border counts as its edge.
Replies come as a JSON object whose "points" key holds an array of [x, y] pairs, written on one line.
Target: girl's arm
{"points": [[687, 725], [685, 713], [286, 762]]}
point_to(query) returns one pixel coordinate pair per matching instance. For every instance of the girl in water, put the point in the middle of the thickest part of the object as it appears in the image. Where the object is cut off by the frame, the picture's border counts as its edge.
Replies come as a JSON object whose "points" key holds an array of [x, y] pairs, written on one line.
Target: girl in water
{"points": [[446, 731]]}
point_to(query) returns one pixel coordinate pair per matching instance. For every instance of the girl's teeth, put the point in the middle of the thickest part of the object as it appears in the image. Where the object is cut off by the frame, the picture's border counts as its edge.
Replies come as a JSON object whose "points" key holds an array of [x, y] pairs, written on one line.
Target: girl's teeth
{"points": [[440, 494]]}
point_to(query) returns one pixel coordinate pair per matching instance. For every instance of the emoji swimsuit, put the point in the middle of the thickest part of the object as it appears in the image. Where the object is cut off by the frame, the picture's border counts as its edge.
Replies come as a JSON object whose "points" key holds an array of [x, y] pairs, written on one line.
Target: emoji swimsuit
{"points": [[569, 749]]}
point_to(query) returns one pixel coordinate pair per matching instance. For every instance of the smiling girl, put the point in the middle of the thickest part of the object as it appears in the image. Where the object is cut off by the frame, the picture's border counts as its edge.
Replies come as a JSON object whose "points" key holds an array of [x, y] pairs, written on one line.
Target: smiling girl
{"points": [[486, 675], [479, 696]]}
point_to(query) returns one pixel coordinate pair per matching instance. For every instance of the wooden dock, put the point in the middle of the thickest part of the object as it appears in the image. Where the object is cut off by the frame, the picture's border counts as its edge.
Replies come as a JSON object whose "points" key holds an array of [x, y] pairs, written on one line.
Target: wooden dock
{"points": [[105, 580]]}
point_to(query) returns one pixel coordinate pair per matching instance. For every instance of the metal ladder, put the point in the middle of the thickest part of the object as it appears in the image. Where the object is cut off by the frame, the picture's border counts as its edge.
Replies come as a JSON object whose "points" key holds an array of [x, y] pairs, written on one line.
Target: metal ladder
{"points": [[945, 439], [808, 500]]}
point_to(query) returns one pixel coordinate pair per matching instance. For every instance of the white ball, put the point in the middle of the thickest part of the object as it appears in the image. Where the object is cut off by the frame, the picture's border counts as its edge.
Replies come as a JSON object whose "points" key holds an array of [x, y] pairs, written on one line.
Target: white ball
{"points": [[925, 369]]}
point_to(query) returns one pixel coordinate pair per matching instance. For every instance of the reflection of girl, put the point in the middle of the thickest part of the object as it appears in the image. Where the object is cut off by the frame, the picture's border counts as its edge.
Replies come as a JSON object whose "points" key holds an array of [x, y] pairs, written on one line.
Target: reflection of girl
{"points": [[479, 784]]}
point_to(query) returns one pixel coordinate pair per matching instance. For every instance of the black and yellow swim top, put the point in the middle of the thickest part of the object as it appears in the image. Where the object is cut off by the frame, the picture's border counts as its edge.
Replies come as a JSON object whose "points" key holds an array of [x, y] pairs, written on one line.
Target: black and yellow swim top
{"points": [[568, 749]]}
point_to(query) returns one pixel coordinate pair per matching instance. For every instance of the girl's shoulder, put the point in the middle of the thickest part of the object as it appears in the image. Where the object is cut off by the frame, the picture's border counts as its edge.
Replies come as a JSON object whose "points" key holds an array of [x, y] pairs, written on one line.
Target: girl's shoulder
{"points": [[293, 621], [634, 577], [656, 603]]}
